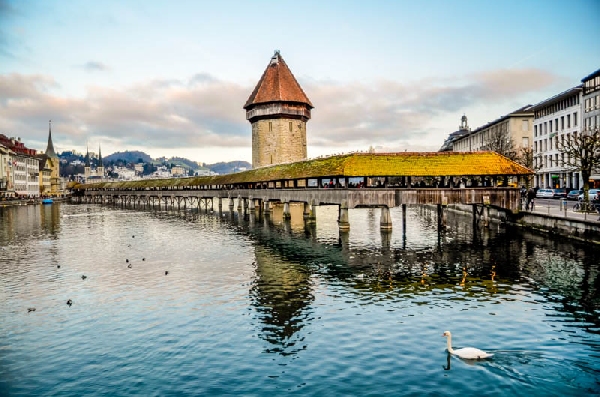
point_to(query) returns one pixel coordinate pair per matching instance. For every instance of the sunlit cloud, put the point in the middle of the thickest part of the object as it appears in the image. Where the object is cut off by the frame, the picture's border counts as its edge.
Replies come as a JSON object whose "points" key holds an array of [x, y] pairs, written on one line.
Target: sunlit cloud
{"points": [[206, 112]]}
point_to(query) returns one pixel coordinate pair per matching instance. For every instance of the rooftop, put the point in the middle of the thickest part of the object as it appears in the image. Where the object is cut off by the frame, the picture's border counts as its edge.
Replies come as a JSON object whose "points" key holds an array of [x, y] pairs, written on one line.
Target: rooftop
{"points": [[423, 164], [277, 84]]}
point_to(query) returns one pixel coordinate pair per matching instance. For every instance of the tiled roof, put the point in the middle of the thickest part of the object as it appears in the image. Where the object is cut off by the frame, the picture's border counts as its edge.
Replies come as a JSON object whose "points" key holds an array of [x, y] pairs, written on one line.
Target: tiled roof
{"points": [[525, 110], [277, 84], [352, 165], [591, 76]]}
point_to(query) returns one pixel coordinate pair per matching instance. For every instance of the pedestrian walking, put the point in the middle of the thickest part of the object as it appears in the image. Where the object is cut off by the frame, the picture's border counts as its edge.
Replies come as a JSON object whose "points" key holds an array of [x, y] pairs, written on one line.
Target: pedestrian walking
{"points": [[530, 199]]}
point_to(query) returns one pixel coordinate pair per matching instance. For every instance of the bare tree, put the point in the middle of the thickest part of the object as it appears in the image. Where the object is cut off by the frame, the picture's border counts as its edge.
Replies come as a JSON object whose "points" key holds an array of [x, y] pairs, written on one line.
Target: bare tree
{"points": [[581, 152], [526, 157], [501, 142]]}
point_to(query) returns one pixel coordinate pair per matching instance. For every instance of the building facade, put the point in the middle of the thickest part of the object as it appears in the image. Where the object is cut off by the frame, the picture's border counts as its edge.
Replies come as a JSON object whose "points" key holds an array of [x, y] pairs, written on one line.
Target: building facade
{"points": [[517, 125], [278, 110], [556, 120], [49, 169], [6, 172], [20, 169], [591, 112]]}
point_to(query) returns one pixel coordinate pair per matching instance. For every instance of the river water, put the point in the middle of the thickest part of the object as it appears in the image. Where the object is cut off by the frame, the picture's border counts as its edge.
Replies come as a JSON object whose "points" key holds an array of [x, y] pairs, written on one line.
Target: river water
{"points": [[259, 307]]}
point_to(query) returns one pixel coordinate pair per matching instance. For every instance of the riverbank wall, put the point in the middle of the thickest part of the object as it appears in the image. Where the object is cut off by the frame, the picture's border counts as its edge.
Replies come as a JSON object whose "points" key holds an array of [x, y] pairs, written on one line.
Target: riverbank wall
{"points": [[578, 226], [37, 201]]}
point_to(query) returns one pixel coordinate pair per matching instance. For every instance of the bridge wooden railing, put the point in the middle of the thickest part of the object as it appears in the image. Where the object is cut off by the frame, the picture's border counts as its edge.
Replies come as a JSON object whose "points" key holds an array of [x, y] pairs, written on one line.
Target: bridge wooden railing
{"points": [[505, 198]]}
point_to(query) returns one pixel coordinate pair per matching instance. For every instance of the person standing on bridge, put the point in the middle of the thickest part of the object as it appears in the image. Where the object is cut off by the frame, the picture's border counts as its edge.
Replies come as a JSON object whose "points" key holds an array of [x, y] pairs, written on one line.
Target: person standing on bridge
{"points": [[530, 199]]}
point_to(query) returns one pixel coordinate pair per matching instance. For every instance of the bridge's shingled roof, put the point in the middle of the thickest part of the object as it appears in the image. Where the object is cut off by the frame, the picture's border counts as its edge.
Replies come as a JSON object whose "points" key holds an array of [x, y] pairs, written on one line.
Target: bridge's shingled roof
{"points": [[418, 164]]}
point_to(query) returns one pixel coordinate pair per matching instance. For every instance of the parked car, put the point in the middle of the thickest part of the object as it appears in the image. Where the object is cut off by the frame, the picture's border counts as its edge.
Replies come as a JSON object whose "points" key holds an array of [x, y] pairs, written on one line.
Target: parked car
{"points": [[592, 195], [545, 193], [574, 194], [560, 193]]}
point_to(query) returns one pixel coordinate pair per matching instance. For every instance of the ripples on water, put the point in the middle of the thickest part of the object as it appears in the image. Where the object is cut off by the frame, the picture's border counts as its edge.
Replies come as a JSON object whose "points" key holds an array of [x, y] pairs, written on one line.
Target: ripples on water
{"points": [[265, 307]]}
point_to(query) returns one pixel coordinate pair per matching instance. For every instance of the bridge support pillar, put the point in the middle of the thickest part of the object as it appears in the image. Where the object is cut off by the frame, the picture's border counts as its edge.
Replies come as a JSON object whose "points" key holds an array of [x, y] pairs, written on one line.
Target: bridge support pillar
{"points": [[240, 202], [231, 204], [286, 210], [258, 205], [343, 221], [385, 222], [386, 240], [442, 216], [306, 212], [486, 216], [312, 214], [251, 206], [266, 207]]}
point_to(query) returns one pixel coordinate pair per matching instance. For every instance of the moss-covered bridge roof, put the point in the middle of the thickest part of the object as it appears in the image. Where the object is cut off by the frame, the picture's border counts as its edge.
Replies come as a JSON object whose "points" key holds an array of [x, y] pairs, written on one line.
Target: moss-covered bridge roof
{"points": [[417, 164]]}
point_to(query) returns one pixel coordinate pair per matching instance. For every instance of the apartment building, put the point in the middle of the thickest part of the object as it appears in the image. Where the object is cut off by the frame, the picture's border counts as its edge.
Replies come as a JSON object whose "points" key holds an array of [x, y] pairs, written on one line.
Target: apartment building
{"points": [[556, 119], [591, 111], [517, 125]]}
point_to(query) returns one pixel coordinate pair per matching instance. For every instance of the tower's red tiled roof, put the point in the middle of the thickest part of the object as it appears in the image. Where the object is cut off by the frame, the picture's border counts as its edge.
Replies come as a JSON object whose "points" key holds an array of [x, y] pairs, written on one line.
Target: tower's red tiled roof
{"points": [[277, 84]]}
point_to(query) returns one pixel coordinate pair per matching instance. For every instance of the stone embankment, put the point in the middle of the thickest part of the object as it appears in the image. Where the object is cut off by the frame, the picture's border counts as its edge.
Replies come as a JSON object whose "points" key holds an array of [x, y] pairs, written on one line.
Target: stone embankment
{"points": [[550, 219]]}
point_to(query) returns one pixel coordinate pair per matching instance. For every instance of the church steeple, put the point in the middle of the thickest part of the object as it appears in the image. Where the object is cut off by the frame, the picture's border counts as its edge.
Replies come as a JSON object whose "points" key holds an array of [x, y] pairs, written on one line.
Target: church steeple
{"points": [[100, 168], [87, 157], [50, 148]]}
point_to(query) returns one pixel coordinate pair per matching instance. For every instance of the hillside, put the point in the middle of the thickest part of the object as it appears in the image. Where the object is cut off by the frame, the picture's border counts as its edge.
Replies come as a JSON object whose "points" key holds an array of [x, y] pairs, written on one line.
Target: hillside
{"points": [[129, 157], [222, 168]]}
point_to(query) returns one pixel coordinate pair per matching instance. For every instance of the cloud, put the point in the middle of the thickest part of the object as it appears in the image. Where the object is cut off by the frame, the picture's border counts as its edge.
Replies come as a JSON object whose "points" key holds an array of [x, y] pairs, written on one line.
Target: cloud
{"points": [[94, 66], [391, 113], [205, 112]]}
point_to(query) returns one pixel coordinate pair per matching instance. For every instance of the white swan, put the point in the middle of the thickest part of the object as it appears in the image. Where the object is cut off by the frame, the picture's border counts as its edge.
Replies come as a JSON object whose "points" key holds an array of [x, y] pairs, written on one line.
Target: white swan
{"points": [[469, 353]]}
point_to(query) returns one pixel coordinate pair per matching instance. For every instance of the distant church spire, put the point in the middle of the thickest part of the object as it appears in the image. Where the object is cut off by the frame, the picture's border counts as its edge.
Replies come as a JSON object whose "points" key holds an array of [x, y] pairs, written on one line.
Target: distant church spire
{"points": [[50, 148], [100, 157], [87, 157]]}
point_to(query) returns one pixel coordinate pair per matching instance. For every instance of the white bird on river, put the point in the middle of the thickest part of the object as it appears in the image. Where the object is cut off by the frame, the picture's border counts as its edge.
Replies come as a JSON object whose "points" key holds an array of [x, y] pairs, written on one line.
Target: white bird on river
{"points": [[469, 353]]}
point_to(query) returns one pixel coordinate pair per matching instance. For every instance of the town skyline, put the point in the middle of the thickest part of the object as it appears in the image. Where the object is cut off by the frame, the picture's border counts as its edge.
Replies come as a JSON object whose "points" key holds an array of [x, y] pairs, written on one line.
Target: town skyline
{"points": [[394, 76]]}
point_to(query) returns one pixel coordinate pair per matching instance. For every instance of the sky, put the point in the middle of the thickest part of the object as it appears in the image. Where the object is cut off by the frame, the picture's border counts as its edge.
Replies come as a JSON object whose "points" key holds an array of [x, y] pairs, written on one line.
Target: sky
{"points": [[171, 78]]}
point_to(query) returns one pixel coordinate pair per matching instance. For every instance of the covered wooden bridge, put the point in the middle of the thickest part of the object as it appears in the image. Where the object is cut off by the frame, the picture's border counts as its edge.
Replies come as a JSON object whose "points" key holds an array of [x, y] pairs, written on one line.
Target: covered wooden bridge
{"points": [[383, 180]]}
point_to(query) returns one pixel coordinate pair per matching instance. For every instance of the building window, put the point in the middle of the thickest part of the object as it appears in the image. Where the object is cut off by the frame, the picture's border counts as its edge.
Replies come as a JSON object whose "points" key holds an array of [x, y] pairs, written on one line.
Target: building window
{"points": [[535, 130], [562, 122], [568, 121]]}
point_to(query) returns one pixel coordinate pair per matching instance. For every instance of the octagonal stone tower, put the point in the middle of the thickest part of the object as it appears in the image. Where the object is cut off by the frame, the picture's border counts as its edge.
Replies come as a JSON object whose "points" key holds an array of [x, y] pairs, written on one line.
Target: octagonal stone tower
{"points": [[278, 110]]}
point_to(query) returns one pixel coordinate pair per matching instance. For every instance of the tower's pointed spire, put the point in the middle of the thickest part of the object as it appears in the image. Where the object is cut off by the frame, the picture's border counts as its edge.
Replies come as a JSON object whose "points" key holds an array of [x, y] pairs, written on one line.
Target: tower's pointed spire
{"points": [[277, 84], [100, 157], [50, 148], [87, 156]]}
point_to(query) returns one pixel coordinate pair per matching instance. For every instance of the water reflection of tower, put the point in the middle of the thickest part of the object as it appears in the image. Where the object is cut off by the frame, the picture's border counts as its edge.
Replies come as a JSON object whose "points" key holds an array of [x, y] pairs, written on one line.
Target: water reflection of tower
{"points": [[281, 294]]}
